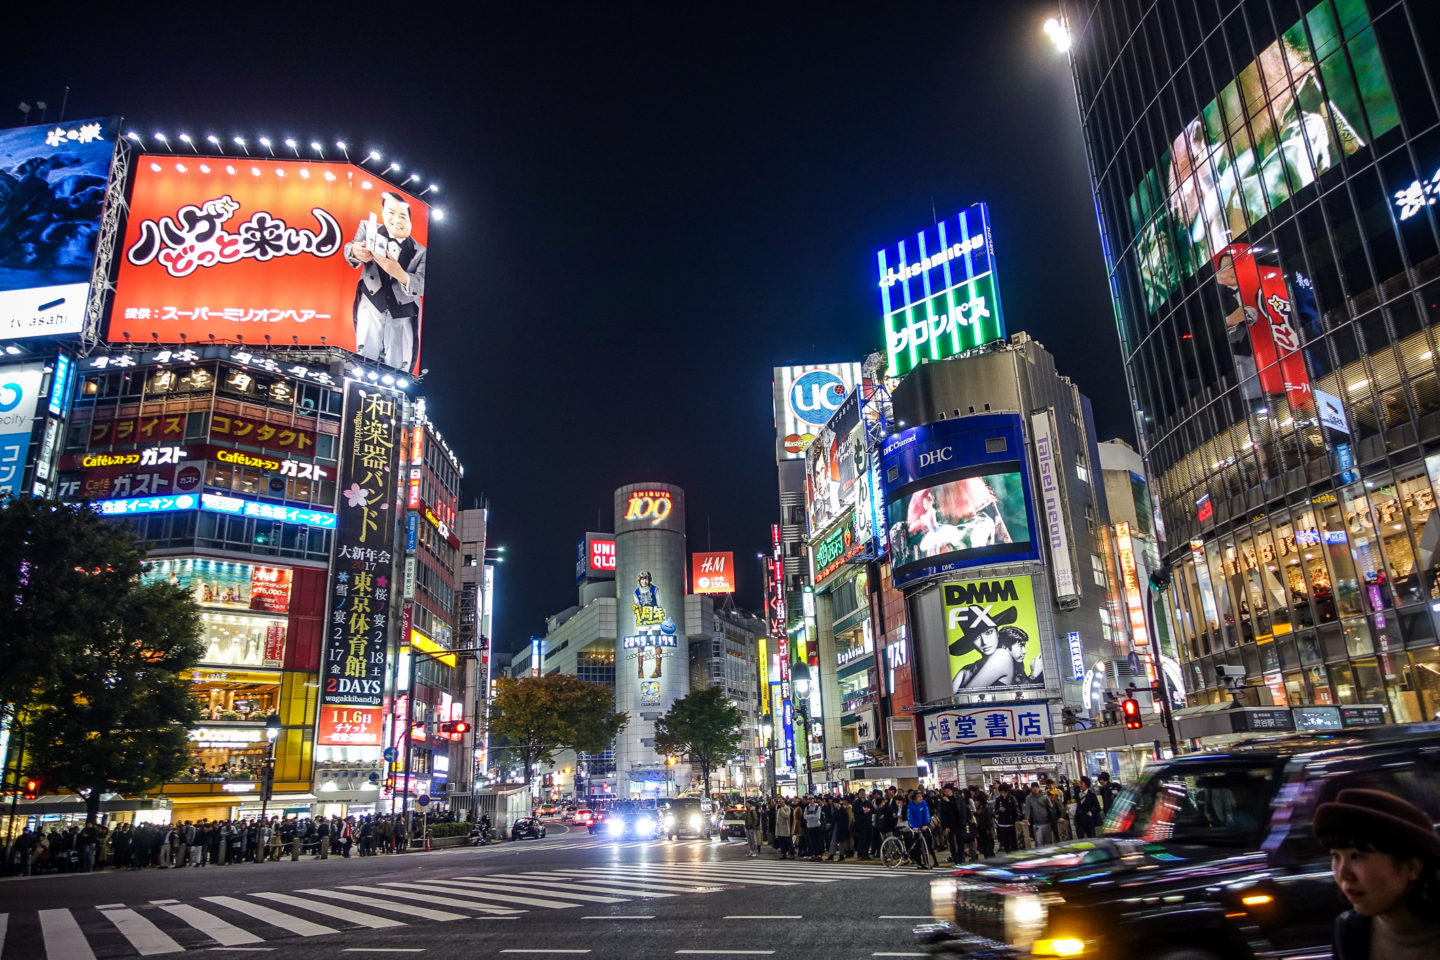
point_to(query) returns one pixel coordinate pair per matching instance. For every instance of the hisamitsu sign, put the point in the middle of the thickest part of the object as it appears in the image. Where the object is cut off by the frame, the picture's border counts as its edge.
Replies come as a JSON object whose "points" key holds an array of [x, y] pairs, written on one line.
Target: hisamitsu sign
{"points": [[988, 727]]}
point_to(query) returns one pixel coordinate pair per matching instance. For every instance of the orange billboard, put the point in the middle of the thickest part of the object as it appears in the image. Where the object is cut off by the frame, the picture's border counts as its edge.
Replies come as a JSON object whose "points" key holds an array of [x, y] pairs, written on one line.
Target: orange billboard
{"points": [[279, 252], [712, 572]]}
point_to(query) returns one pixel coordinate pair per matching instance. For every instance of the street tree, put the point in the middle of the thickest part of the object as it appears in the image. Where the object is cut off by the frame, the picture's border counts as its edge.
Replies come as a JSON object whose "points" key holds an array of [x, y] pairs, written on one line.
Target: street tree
{"points": [[540, 716], [702, 727], [115, 719], [63, 567]]}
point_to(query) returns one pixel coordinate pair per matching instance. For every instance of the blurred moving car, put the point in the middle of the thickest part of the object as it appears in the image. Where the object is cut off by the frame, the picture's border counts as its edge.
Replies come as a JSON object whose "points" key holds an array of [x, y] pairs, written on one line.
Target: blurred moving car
{"points": [[583, 817], [527, 828], [597, 821], [568, 816], [633, 823], [733, 822], [1208, 857], [688, 817]]}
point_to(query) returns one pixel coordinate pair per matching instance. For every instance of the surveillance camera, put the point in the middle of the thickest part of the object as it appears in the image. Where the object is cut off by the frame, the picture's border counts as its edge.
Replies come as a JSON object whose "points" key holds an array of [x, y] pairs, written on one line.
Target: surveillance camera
{"points": [[1228, 676]]}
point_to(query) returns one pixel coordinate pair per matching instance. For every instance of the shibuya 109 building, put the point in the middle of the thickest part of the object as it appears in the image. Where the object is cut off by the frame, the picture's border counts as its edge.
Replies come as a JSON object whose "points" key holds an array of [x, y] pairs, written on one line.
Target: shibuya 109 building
{"points": [[213, 358], [1266, 175]]}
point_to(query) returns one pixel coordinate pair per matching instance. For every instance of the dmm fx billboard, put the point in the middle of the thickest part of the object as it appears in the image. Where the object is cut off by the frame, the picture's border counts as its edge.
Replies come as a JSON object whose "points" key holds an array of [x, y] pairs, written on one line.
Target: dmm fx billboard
{"points": [[956, 495], [805, 397], [938, 293], [996, 725], [993, 634], [283, 252], [352, 669], [56, 177]]}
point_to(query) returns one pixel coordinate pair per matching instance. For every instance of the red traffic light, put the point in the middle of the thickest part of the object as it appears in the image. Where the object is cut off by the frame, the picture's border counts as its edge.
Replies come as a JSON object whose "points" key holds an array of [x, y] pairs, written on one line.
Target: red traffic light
{"points": [[389, 783], [32, 789], [1131, 709], [454, 727]]}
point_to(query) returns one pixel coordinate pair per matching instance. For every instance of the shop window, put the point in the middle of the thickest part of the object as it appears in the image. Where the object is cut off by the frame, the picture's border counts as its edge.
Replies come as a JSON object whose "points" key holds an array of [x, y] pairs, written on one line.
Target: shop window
{"points": [[1358, 642], [221, 754], [1417, 696], [242, 640], [1342, 679], [1400, 504], [1369, 687], [234, 697]]}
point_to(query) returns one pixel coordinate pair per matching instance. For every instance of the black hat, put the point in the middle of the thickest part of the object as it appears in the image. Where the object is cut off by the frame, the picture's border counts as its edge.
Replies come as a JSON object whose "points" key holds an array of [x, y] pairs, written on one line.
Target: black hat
{"points": [[973, 630], [1374, 814]]}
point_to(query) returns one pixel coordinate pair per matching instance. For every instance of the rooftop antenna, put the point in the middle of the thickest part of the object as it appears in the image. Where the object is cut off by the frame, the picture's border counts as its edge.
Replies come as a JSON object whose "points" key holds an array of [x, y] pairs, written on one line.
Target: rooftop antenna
{"points": [[934, 217]]}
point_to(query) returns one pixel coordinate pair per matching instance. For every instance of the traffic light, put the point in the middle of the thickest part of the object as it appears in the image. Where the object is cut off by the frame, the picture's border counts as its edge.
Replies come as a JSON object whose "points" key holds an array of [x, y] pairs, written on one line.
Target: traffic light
{"points": [[390, 783], [32, 789], [671, 760], [267, 780], [1131, 708], [454, 728]]}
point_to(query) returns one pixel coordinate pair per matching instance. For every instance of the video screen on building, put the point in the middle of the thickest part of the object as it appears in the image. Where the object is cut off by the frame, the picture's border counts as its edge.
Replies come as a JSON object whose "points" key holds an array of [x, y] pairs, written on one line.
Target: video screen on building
{"points": [[1313, 96], [959, 522], [278, 252], [53, 181]]}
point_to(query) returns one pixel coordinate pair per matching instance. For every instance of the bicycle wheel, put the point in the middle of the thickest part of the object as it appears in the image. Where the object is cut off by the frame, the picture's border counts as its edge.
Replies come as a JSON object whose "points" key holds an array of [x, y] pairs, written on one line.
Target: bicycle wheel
{"points": [[892, 852]]}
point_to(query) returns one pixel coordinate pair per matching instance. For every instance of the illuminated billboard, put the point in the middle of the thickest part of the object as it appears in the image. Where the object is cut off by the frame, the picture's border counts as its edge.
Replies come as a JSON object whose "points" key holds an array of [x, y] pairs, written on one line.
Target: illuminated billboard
{"points": [[938, 292], [595, 557], [993, 635], [712, 572], [1311, 98], [805, 398], [956, 495], [19, 402], [225, 584], [53, 180], [279, 252]]}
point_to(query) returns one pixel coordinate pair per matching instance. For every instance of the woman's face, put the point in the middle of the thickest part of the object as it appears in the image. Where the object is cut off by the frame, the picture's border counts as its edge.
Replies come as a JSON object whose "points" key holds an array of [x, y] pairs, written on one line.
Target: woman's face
{"points": [[1374, 883], [988, 642]]}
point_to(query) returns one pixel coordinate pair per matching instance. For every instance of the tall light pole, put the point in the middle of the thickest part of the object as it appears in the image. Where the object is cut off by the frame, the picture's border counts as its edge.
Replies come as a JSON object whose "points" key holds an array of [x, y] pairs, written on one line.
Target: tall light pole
{"points": [[767, 732], [267, 779], [800, 680]]}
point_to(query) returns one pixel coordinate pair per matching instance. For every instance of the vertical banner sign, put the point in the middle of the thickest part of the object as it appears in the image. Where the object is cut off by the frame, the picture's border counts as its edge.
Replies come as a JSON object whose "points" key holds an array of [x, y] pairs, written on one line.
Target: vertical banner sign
{"points": [[1130, 578], [1052, 504], [352, 680]]}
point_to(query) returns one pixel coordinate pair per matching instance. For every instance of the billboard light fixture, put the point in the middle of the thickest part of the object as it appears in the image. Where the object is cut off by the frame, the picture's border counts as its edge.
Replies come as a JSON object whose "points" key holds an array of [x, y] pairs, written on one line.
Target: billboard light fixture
{"points": [[388, 380], [371, 375], [12, 350], [290, 142], [204, 168], [230, 169], [329, 175], [265, 142], [439, 214], [132, 135], [180, 167], [240, 142], [319, 150], [155, 167], [403, 384]]}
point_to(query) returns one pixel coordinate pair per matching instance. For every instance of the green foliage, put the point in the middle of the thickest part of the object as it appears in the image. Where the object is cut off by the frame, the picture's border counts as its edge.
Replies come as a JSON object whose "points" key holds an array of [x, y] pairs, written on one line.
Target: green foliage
{"points": [[540, 716], [703, 728], [63, 568], [438, 830]]}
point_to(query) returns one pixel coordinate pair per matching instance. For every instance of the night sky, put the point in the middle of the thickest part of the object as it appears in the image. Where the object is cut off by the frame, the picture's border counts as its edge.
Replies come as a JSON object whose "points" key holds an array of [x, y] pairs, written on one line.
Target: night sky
{"points": [[647, 208]]}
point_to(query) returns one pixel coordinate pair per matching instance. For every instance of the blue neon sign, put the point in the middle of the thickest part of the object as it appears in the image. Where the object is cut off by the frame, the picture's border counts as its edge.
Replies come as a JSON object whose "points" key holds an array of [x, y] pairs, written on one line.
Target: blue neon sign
{"points": [[60, 385], [217, 503]]}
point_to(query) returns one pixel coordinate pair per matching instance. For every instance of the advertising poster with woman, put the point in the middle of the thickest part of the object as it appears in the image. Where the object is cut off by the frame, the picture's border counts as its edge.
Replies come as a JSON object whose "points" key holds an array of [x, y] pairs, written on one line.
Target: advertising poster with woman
{"points": [[994, 635]]}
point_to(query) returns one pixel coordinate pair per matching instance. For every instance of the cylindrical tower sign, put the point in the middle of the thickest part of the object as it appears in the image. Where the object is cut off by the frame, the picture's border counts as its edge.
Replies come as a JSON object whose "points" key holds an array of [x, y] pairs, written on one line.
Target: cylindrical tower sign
{"points": [[652, 653]]}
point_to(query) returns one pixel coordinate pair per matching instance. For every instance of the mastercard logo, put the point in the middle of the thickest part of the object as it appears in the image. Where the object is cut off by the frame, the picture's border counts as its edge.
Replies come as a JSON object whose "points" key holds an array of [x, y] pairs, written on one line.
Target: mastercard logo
{"points": [[797, 442]]}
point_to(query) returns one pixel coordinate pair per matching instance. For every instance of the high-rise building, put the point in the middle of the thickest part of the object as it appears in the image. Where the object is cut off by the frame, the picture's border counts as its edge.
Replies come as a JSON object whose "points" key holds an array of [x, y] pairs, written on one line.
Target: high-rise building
{"points": [[1265, 176]]}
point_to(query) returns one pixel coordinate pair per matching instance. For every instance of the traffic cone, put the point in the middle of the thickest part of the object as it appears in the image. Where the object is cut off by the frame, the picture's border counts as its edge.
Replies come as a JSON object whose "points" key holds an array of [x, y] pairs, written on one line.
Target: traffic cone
{"points": [[427, 841]]}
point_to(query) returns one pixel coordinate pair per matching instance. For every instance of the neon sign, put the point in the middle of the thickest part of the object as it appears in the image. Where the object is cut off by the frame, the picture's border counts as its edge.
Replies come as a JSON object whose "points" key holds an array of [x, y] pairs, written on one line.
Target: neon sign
{"points": [[216, 503], [652, 505]]}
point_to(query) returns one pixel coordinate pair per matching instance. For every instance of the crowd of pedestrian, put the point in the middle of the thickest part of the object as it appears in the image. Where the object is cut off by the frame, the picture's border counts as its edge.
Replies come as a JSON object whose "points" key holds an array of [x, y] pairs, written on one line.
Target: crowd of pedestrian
{"points": [[965, 822], [204, 843]]}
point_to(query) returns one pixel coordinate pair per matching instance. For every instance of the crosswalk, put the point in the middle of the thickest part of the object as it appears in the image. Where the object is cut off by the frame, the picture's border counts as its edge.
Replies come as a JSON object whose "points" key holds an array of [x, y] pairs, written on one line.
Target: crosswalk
{"points": [[243, 920], [587, 841]]}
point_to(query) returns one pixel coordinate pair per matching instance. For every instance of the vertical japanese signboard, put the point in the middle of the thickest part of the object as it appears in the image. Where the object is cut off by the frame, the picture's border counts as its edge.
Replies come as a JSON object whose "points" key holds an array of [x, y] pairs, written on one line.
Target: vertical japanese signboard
{"points": [[352, 682], [1130, 580], [1048, 478]]}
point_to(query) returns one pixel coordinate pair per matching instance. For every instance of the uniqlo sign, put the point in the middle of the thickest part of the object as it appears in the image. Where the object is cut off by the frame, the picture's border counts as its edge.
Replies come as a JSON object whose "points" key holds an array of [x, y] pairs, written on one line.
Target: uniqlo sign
{"points": [[602, 556], [712, 572]]}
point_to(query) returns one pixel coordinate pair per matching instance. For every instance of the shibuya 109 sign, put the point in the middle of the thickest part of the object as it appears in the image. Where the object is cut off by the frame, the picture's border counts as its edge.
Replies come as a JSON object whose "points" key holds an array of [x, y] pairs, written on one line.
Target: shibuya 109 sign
{"points": [[938, 293], [352, 671], [284, 252]]}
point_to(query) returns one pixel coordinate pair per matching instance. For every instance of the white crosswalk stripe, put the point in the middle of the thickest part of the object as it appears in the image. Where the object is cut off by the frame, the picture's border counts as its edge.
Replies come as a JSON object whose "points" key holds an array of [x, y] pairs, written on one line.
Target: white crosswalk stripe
{"points": [[244, 920]]}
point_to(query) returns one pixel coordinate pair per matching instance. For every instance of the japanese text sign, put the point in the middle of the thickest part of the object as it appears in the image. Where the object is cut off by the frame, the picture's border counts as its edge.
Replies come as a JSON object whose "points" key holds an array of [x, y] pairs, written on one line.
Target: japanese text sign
{"points": [[272, 251], [987, 727]]}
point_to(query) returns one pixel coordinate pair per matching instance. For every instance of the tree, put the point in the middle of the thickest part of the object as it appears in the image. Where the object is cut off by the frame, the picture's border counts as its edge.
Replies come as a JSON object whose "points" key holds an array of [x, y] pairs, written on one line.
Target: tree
{"points": [[540, 716], [63, 567], [702, 727]]}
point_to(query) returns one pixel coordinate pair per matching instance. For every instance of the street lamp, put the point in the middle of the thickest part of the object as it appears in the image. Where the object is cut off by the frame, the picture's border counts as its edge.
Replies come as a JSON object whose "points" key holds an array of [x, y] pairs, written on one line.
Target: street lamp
{"points": [[800, 680], [267, 777], [767, 733]]}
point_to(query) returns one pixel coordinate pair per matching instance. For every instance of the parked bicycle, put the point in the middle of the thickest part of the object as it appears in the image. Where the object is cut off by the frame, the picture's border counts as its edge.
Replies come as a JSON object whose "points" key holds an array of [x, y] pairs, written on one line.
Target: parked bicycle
{"points": [[900, 849]]}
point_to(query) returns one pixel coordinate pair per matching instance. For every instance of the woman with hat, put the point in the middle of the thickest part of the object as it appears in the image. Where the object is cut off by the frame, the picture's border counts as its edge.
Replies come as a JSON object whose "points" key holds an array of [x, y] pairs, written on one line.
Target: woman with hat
{"points": [[1385, 856]]}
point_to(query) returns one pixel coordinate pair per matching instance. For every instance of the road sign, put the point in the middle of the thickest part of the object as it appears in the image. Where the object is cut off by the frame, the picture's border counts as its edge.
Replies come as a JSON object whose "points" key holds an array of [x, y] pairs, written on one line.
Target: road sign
{"points": [[391, 754], [423, 800], [1136, 669]]}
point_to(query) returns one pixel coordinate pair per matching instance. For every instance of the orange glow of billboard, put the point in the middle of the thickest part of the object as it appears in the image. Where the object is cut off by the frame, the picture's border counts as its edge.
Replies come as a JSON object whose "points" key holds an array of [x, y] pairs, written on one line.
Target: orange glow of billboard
{"points": [[278, 252]]}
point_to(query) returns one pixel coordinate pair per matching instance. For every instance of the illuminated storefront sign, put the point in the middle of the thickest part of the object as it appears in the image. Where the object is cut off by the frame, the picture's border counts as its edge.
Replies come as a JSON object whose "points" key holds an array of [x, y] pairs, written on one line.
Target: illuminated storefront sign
{"points": [[995, 725], [225, 584], [1077, 656], [61, 386], [712, 572], [938, 295], [1130, 578], [19, 399], [651, 505], [353, 664], [217, 503], [837, 549]]}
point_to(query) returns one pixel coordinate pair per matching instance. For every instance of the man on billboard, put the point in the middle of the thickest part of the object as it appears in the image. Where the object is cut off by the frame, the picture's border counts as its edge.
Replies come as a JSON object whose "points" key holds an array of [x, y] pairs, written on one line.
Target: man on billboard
{"points": [[1263, 329], [392, 281]]}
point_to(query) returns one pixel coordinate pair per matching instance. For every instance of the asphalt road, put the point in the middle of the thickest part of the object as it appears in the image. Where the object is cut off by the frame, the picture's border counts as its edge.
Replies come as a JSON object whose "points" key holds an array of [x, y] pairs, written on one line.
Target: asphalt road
{"points": [[567, 895]]}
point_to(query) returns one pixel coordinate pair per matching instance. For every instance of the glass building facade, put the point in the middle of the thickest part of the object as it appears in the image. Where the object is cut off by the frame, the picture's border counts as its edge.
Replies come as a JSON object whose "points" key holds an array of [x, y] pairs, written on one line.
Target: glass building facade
{"points": [[1265, 175]]}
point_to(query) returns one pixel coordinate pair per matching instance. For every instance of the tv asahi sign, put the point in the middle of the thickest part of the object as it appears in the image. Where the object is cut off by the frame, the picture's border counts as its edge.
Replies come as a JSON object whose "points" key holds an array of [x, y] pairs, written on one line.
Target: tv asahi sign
{"points": [[1052, 504]]}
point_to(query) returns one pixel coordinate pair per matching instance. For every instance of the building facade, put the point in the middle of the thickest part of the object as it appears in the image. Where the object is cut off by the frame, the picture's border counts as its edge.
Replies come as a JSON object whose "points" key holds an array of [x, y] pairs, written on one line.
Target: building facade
{"points": [[1265, 181]]}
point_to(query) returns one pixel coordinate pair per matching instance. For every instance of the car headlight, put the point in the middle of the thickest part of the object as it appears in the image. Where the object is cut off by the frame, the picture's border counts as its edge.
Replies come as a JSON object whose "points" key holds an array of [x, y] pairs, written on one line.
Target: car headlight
{"points": [[695, 822], [615, 827], [645, 824], [1025, 915], [669, 820], [942, 898]]}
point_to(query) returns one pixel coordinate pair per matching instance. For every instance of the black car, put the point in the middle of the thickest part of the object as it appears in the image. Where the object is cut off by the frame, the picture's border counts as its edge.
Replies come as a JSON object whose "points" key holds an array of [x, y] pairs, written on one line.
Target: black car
{"points": [[527, 828], [688, 817], [1208, 857]]}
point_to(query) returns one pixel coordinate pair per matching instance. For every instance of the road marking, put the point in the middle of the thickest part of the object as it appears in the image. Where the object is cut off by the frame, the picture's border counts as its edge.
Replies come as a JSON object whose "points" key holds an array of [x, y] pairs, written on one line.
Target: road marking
{"points": [[225, 934], [330, 910], [764, 916], [275, 918], [502, 884], [541, 950], [144, 936], [244, 949], [899, 954], [404, 909], [108, 906], [429, 893], [63, 937], [897, 916], [161, 903], [624, 916], [547, 882], [383, 950], [611, 883], [729, 953]]}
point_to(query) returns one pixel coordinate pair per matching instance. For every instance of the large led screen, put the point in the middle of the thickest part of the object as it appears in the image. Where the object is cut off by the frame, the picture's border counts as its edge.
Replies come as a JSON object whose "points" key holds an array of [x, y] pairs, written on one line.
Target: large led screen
{"points": [[272, 252], [956, 495], [53, 179], [1313, 96], [938, 293]]}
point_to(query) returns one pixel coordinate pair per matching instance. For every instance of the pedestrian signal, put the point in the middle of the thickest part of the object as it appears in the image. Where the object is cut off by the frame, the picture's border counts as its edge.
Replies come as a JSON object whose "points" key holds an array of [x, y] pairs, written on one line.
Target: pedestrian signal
{"points": [[1131, 709], [32, 789]]}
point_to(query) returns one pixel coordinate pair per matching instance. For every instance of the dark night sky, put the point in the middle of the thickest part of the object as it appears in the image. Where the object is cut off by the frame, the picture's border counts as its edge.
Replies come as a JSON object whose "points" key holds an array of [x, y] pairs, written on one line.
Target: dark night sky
{"points": [[648, 208]]}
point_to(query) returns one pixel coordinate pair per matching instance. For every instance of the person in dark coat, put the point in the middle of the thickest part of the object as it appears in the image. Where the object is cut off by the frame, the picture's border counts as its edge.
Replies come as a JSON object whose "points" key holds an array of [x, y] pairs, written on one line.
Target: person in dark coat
{"points": [[984, 822], [1007, 813], [1088, 815], [1385, 856]]}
